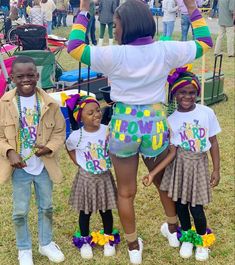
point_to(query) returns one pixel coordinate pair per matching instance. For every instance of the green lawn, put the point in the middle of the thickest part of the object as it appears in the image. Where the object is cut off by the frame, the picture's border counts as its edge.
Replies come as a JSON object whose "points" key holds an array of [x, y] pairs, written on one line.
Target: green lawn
{"points": [[149, 213]]}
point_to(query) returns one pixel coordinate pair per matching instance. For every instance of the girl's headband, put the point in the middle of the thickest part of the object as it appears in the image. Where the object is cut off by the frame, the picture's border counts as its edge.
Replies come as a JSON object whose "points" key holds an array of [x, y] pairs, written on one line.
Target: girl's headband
{"points": [[76, 104], [181, 77]]}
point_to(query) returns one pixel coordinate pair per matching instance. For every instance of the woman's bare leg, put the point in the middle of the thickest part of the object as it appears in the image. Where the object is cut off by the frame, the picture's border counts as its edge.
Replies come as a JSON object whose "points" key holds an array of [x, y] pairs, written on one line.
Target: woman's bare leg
{"points": [[167, 203], [126, 174]]}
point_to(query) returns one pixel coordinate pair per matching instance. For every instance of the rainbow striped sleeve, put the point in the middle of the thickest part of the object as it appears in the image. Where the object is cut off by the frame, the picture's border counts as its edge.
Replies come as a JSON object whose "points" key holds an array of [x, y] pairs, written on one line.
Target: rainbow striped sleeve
{"points": [[77, 47], [201, 33]]}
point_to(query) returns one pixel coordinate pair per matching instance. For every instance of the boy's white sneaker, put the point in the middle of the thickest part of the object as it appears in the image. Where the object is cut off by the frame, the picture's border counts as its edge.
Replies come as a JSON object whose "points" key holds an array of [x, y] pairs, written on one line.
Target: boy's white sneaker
{"points": [[109, 250], [201, 253], [172, 237], [52, 251], [136, 255], [186, 250], [25, 257], [86, 251]]}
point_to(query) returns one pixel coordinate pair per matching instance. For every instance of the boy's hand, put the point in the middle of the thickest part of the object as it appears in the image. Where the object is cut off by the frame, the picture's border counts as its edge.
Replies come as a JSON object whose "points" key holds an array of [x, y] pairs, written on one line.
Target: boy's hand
{"points": [[42, 150], [147, 180], [15, 159], [215, 178]]}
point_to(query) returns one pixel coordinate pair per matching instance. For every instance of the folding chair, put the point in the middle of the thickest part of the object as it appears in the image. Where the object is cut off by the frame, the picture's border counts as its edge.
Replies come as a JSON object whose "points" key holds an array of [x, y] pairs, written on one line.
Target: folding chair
{"points": [[8, 49], [55, 42], [29, 37], [5, 71]]}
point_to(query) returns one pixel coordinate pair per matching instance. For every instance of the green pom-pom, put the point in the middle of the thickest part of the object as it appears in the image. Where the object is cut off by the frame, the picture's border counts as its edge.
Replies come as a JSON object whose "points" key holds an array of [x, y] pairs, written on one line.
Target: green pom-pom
{"points": [[77, 234], [191, 236], [102, 231], [115, 231]]}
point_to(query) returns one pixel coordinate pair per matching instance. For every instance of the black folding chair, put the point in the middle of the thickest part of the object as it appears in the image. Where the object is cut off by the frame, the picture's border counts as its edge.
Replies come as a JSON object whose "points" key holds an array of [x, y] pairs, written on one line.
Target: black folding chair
{"points": [[29, 37]]}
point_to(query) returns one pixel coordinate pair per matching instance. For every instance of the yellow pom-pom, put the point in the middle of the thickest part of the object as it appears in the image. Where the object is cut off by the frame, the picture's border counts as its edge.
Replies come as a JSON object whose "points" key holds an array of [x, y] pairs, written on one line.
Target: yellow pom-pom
{"points": [[95, 237], [101, 239], [208, 240]]}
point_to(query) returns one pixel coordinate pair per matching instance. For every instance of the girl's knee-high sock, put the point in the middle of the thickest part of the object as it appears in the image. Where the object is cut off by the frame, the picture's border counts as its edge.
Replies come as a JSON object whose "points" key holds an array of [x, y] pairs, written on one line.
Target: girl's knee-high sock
{"points": [[107, 219], [183, 215], [84, 223], [199, 219]]}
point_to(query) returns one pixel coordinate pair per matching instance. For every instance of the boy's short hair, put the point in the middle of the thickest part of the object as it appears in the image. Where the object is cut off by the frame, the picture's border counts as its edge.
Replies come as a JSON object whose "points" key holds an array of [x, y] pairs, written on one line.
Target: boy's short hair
{"points": [[136, 20], [23, 59]]}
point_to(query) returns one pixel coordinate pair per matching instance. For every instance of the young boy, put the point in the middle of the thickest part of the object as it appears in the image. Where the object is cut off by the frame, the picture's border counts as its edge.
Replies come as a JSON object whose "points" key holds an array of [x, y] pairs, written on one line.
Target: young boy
{"points": [[32, 130]]}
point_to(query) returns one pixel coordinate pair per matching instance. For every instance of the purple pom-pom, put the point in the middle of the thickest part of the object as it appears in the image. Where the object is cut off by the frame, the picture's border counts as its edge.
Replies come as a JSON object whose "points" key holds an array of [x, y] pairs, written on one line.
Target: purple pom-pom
{"points": [[179, 234], [80, 241], [116, 240]]}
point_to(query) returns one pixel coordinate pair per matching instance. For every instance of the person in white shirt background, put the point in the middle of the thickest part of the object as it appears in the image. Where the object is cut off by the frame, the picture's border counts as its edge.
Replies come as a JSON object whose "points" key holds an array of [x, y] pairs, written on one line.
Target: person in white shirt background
{"points": [[169, 15], [48, 6]]}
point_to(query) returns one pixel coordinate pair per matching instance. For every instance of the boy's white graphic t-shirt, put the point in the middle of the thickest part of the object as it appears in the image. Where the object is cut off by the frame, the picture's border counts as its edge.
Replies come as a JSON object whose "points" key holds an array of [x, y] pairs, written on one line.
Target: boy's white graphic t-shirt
{"points": [[91, 151], [191, 130], [29, 122]]}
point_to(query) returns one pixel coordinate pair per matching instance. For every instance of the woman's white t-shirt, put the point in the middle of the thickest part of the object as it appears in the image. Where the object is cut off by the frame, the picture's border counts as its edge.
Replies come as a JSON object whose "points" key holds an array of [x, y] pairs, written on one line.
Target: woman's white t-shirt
{"points": [[138, 73]]}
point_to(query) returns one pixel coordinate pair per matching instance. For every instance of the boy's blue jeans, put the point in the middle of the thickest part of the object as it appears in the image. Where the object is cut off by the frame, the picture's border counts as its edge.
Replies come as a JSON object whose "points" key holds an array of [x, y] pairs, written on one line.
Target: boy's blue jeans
{"points": [[22, 183]]}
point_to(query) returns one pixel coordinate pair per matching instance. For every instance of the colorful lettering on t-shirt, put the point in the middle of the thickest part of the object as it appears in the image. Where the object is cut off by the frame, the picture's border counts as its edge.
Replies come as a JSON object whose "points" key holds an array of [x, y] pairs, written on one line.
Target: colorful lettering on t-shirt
{"points": [[28, 131], [193, 137], [97, 158]]}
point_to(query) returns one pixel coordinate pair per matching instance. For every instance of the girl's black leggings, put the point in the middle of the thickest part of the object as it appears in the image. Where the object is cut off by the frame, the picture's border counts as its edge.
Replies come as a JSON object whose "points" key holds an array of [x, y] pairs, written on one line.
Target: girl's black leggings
{"points": [[198, 217], [84, 222]]}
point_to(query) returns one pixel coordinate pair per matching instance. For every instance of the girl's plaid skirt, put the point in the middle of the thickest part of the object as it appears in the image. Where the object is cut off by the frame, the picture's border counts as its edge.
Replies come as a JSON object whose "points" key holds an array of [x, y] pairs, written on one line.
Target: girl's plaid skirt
{"points": [[187, 178], [93, 192]]}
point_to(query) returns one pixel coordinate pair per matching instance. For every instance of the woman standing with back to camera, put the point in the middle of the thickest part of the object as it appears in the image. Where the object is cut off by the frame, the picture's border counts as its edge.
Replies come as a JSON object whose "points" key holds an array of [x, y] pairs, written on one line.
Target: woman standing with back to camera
{"points": [[138, 68]]}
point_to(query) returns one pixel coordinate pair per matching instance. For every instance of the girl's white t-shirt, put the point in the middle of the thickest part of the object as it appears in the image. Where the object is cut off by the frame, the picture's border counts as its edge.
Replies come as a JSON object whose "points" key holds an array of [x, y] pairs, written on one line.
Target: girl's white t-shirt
{"points": [[91, 150], [29, 124], [191, 130]]}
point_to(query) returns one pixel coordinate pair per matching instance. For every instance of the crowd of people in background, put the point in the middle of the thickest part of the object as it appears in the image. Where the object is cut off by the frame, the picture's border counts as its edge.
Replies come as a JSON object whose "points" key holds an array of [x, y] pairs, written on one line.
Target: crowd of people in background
{"points": [[53, 14]]}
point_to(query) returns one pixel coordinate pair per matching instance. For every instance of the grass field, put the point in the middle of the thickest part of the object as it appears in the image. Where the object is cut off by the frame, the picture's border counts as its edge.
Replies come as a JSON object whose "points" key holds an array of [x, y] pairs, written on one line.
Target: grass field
{"points": [[149, 213]]}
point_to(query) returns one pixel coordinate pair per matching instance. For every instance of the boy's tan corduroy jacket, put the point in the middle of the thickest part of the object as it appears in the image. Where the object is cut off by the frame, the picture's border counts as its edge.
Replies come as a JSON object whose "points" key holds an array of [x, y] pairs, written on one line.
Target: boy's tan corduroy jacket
{"points": [[51, 133]]}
